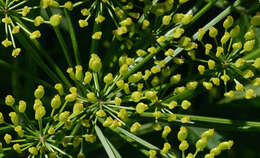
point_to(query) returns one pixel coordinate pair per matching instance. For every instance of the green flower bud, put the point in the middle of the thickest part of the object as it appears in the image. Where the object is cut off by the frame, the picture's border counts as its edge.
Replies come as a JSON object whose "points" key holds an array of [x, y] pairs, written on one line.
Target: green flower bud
{"points": [[184, 145], [172, 117], [201, 69], [226, 145], [249, 45], [123, 115], [225, 78], [145, 24], [33, 150], [207, 134], [17, 148], [59, 88], [185, 104], [56, 102], [177, 33], [237, 46], [63, 117], [250, 94], [88, 77], [175, 79], [101, 113], [78, 73], [211, 64], [141, 107], [136, 96], [22, 106], [91, 96], [78, 108], [7, 138], [166, 148], [108, 121], [135, 77], [220, 50], [135, 127], [147, 74], [182, 134], [225, 38], [123, 69], [213, 32], [152, 50], [55, 20], [192, 85], [152, 153], [209, 155], [39, 92], [208, 47], [166, 20], [255, 21], [19, 131], [51, 131], [235, 31], [90, 138], [1, 118], [166, 131], [201, 33], [201, 144], [9, 100], [228, 22], [249, 35], [108, 79], [71, 97], [68, 5], [186, 19], [215, 151], [95, 63], [14, 118], [40, 112], [215, 81], [172, 104]]}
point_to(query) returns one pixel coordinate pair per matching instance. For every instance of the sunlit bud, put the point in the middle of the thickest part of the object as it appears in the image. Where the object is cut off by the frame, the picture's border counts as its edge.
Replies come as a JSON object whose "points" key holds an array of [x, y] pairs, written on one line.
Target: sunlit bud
{"points": [[161, 39], [15, 30], [201, 69], [99, 19], [201, 144], [78, 73], [19, 131], [39, 92], [207, 134], [108, 79], [14, 118], [166, 19], [225, 78], [135, 127], [64, 116], [51, 130], [184, 145], [38, 21], [40, 112], [175, 79], [226, 145], [9, 100], [185, 119], [73, 90], [215, 151], [228, 22], [95, 63], [16, 52], [190, 155], [225, 38], [229, 94], [122, 60], [33, 150], [213, 32], [55, 20], [177, 33], [182, 134], [157, 114], [250, 94], [186, 19], [235, 31], [248, 74], [208, 47], [151, 95], [155, 69], [68, 5], [22, 106], [145, 24], [220, 50], [166, 131], [201, 33], [207, 85], [108, 121], [91, 96], [83, 23], [26, 10], [90, 138], [249, 45], [169, 52], [152, 50], [127, 22], [141, 52], [237, 46], [17, 148], [147, 74], [135, 77], [249, 35], [123, 115], [211, 64], [141, 107], [101, 113], [239, 86], [239, 62], [136, 96], [185, 104], [78, 108], [157, 127], [166, 148], [172, 117], [35, 34], [6, 43], [215, 81], [59, 88], [152, 153], [85, 12], [97, 35], [7, 138], [126, 88], [115, 124]]}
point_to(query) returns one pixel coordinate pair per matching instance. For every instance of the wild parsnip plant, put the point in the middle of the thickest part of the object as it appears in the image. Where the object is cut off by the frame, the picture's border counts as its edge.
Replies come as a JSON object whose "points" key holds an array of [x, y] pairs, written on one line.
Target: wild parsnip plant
{"points": [[144, 83]]}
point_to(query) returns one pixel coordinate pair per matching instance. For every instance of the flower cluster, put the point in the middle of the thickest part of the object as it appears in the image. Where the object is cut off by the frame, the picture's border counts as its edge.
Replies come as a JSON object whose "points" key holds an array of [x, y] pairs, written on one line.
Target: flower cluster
{"points": [[225, 59]]}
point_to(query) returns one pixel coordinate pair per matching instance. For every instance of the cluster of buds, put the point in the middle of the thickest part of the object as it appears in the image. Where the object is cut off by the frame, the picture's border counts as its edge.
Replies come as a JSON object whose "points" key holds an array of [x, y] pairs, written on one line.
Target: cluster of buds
{"points": [[225, 59]]}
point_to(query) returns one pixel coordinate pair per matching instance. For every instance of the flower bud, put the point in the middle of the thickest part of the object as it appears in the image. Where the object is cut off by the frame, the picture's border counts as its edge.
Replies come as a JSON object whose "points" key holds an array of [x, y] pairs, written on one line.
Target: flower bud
{"points": [[185, 104], [172, 104], [249, 45], [182, 134], [91, 96], [101, 113], [39, 92], [97, 35], [184, 145], [123, 69], [152, 50], [136, 96], [166, 131], [82, 23], [255, 21], [211, 64], [108, 79], [22, 106], [14, 118], [78, 73], [135, 77], [7, 138], [208, 47], [177, 33], [225, 38], [213, 32], [90, 138], [239, 62], [201, 33], [186, 19], [141, 107], [95, 63], [166, 148], [215, 151], [33, 150], [16, 52], [209, 155], [19, 131], [249, 35], [220, 50], [225, 78], [248, 74], [108, 121], [78, 108], [1, 118], [192, 85], [59, 88], [123, 115], [51, 131], [201, 69], [135, 127], [226, 145], [239, 86], [201, 144], [99, 19], [175, 79], [40, 112], [152, 153], [64, 116], [127, 22], [68, 5], [126, 88], [17, 148], [228, 22], [55, 20], [56, 102], [235, 31], [9, 100], [36, 34], [6, 43], [250, 94], [207, 134], [237, 46], [147, 74]]}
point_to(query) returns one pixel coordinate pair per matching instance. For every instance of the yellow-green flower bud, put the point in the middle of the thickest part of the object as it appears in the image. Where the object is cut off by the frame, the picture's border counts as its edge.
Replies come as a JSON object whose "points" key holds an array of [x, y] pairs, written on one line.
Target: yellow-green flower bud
{"points": [[101, 113], [35, 34], [145, 24], [248, 74], [78, 73], [182, 134], [37, 104], [1, 118], [95, 63], [71, 73], [179, 90], [172, 117], [152, 50], [38, 21], [235, 31], [192, 85], [19, 131], [211, 64], [184, 145], [185, 119], [225, 78], [237, 46], [22, 106], [225, 38], [9, 100], [15, 30], [71, 97], [215, 151], [229, 94], [166, 131], [56, 102], [256, 63], [166, 148], [78, 108], [108, 79], [201, 69], [186, 19], [126, 88], [213, 32], [51, 130], [68, 5], [82, 23], [207, 134], [118, 101], [123, 69], [201, 33], [135, 127], [64, 116], [97, 35], [208, 47], [85, 12], [175, 79], [88, 77], [157, 114], [123, 115], [59, 88], [136, 96], [255, 21], [249, 35], [33, 150], [90, 138], [239, 62], [39, 92], [108, 121], [7, 138], [147, 74], [201, 144], [141, 107], [141, 52], [14, 118], [249, 45], [226, 145], [161, 39], [40, 112], [220, 50], [177, 33], [99, 19], [228, 22], [17, 148], [250, 94], [16, 52], [55, 20], [172, 104], [185, 104], [91, 96], [152, 153], [6, 43], [166, 19], [239, 86], [169, 52], [215, 81], [135, 77]]}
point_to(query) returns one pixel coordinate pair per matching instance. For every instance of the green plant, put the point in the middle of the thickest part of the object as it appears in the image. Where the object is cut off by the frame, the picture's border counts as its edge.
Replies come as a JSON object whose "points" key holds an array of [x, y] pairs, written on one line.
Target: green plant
{"points": [[118, 92]]}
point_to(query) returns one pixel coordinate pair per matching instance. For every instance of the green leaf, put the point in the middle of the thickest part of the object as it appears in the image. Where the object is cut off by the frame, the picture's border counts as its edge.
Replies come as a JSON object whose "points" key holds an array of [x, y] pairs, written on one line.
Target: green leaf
{"points": [[104, 142]]}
